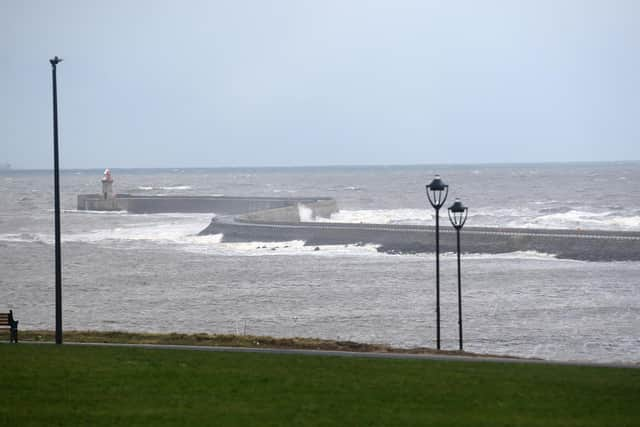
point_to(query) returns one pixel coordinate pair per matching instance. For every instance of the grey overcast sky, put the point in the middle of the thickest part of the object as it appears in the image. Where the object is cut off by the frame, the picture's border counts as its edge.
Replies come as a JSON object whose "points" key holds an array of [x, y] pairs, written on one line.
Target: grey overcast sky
{"points": [[323, 82]]}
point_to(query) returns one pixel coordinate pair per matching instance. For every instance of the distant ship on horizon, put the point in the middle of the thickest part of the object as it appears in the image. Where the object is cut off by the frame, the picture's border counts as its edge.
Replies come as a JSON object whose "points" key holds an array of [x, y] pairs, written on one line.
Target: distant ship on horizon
{"points": [[5, 166]]}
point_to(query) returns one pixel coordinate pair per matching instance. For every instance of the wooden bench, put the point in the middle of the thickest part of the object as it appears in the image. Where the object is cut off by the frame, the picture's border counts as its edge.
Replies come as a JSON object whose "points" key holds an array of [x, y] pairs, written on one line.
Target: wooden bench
{"points": [[7, 322]]}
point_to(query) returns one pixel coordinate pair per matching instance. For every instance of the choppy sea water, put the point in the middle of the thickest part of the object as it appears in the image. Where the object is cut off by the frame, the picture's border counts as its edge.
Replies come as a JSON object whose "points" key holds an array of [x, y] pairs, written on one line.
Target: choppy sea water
{"points": [[153, 273]]}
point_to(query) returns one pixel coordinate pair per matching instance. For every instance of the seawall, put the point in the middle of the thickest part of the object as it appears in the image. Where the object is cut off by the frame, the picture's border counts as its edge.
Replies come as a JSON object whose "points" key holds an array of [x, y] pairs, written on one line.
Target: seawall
{"points": [[568, 244], [281, 208]]}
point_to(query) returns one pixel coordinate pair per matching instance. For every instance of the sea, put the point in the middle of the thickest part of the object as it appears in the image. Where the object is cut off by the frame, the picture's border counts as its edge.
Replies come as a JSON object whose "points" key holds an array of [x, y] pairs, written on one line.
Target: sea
{"points": [[153, 273]]}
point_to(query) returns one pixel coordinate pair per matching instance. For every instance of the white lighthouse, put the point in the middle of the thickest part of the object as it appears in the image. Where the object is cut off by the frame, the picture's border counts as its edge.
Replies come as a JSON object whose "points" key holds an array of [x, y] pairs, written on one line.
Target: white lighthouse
{"points": [[107, 185]]}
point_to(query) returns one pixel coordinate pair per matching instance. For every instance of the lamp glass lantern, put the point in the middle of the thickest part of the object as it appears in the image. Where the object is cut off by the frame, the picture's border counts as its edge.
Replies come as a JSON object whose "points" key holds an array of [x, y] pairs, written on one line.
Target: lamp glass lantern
{"points": [[437, 192], [458, 214]]}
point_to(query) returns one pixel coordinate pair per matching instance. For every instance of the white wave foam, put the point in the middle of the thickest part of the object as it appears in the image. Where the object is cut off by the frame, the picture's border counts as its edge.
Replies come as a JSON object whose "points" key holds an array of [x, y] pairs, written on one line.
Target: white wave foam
{"points": [[183, 237], [25, 238], [559, 217], [346, 188], [305, 213], [381, 216], [289, 248], [180, 232], [159, 229], [575, 219], [530, 255], [83, 212], [177, 187], [165, 188]]}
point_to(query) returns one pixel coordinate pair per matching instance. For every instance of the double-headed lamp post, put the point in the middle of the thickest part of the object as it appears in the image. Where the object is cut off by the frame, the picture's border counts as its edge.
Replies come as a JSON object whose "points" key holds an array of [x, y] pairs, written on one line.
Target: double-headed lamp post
{"points": [[56, 190], [458, 216], [437, 192]]}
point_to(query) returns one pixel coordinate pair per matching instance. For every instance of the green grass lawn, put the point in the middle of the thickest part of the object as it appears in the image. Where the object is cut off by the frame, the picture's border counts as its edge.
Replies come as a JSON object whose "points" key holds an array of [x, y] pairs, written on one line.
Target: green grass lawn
{"points": [[49, 385]]}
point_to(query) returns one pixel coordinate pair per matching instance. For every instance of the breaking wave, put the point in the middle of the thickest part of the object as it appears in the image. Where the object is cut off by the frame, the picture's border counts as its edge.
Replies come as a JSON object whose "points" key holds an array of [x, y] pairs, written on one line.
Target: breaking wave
{"points": [[381, 216], [554, 217], [26, 238], [587, 220], [183, 237], [305, 213], [166, 188]]}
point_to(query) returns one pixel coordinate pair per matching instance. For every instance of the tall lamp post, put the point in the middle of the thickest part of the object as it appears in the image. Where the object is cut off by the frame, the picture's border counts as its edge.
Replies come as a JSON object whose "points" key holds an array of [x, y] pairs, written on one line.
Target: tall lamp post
{"points": [[437, 192], [458, 216], [56, 189]]}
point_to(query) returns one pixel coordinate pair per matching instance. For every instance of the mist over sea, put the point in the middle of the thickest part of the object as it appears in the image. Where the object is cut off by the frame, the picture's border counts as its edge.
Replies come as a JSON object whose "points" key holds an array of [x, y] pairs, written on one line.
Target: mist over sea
{"points": [[153, 273]]}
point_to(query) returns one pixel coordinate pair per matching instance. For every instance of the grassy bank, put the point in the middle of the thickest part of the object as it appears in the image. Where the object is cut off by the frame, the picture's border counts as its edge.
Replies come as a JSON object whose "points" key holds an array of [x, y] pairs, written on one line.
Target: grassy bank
{"points": [[67, 385], [224, 340]]}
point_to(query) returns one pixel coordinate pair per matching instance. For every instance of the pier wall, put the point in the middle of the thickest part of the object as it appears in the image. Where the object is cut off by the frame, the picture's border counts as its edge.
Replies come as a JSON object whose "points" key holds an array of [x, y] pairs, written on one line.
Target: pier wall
{"points": [[94, 202], [291, 214], [275, 208], [584, 245]]}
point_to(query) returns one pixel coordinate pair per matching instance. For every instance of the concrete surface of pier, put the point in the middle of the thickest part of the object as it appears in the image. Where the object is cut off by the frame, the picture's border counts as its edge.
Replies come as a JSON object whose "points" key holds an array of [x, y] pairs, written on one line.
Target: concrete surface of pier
{"points": [[589, 245]]}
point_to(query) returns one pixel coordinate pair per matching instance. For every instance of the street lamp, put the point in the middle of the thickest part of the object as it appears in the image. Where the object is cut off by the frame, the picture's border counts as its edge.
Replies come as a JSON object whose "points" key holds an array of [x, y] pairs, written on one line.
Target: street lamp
{"points": [[458, 216], [437, 192], [56, 190]]}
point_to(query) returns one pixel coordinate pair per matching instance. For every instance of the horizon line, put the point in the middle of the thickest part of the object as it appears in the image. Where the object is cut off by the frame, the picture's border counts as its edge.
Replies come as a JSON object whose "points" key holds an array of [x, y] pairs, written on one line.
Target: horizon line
{"points": [[331, 166]]}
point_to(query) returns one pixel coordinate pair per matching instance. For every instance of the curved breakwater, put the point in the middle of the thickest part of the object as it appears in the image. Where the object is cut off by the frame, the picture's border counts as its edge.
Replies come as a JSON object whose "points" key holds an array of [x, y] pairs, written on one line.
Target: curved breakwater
{"points": [[588, 245], [276, 225]]}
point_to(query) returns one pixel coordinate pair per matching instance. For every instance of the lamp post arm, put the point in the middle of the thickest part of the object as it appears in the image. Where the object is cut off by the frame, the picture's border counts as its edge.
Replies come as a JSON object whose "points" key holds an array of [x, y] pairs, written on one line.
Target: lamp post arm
{"points": [[446, 193]]}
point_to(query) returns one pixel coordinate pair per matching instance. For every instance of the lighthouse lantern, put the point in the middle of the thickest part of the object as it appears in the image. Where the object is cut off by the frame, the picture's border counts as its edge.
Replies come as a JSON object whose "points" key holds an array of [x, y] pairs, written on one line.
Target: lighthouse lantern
{"points": [[107, 185]]}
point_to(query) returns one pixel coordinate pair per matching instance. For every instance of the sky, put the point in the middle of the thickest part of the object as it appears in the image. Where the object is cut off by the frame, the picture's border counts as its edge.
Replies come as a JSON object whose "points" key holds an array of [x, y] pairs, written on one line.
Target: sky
{"points": [[332, 82]]}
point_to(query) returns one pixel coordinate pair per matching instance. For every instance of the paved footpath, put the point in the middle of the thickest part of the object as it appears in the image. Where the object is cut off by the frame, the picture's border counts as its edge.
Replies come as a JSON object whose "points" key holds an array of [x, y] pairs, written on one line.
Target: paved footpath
{"points": [[365, 355]]}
